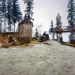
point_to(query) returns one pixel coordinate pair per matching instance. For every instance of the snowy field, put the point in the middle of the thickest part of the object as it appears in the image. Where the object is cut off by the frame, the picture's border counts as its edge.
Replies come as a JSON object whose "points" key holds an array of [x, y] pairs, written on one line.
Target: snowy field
{"points": [[38, 59]]}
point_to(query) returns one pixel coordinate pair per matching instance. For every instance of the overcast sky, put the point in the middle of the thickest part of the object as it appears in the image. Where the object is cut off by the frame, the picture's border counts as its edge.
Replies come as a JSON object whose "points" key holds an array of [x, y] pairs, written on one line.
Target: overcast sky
{"points": [[47, 10]]}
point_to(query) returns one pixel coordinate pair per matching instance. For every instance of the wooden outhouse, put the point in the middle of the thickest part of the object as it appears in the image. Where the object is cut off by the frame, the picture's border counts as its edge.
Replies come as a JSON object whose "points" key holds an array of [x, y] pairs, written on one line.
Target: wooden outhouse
{"points": [[25, 28]]}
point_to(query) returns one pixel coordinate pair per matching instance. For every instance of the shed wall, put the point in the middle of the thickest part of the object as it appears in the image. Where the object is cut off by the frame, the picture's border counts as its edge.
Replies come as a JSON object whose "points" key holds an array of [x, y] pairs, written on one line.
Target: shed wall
{"points": [[25, 30]]}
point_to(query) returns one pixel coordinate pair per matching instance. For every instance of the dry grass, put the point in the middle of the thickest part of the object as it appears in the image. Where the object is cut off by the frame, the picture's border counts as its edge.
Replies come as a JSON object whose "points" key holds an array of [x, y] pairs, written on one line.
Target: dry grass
{"points": [[4, 42], [69, 44]]}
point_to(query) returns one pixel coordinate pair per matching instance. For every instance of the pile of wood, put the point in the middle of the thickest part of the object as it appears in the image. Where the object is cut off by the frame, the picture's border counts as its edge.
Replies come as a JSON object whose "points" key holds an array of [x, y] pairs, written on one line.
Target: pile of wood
{"points": [[12, 40], [18, 40], [23, 40], [44, 37]]}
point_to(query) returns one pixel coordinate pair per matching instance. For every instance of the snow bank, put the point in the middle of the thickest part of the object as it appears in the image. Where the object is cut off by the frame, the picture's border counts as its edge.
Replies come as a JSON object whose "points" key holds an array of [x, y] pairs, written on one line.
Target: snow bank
{"points": [[38, 59]]}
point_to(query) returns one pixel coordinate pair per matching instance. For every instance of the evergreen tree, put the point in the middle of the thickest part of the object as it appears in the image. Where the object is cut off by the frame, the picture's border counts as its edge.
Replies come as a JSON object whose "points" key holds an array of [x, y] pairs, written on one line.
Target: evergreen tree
{"points": [[71, 13], [71, 18], [16, 13], [11, 11], [9, 15], [1, 19], [29, 12], [58, 25], [51, 29], [58, 21], [3, 10], [1, 23], [36, 34]]}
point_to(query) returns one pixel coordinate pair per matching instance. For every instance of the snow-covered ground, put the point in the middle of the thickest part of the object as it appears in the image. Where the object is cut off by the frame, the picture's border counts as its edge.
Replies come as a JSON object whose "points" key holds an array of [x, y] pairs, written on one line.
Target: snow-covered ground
{"points": [[38, 59]]}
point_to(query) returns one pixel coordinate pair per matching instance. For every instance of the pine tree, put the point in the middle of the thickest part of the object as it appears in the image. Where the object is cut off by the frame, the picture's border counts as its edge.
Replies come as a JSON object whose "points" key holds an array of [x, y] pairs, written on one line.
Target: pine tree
{"points": [[9, 15], [1, 19], [29, 8], [51, 29], [0, 24], [58, 25], [71, 18], [58, 21], [16, 13], [11, 11], [71, 13], [36, 34], [3, 9]]}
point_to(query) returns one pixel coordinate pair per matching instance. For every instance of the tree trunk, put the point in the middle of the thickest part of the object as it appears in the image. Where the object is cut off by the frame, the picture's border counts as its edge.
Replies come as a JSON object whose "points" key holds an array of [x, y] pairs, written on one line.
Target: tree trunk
{"points": [[4, 24], [53, 35], [14, 27], [57, 36]]}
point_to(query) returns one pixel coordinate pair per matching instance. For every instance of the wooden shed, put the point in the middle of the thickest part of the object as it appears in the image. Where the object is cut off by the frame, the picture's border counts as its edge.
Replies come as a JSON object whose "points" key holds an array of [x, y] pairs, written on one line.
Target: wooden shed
{"points": [[25, 28]]}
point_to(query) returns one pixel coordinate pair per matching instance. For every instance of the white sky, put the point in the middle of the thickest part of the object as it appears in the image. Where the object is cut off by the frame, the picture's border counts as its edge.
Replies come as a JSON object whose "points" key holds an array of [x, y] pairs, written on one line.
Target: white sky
{"points": [[47, 10]]}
